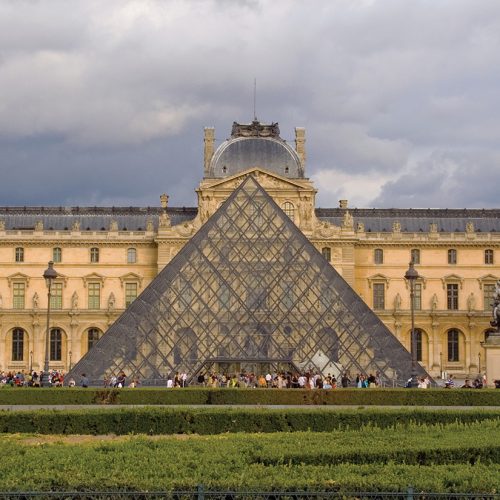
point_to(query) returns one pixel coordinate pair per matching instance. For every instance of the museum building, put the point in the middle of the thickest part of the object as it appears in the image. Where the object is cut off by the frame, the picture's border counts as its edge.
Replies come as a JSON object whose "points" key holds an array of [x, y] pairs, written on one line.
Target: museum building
{"points": [[255, 262]]}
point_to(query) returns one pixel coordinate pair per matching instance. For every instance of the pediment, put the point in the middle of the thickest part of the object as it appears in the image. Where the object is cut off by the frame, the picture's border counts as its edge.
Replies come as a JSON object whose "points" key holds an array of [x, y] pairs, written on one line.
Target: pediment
{"points": [[268, 180], [18, 277], [378, 278], [488, 279], [129, 277], [452, 278], [93, 277]]}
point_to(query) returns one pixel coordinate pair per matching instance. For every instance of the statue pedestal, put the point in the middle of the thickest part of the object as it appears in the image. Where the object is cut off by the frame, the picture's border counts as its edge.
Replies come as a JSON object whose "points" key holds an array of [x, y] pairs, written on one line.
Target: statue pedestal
{"points": [[492, 348]]}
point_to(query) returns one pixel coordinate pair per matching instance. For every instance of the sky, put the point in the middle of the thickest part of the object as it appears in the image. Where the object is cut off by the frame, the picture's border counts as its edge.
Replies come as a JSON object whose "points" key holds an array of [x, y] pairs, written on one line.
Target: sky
{"points": [[104, 102]]}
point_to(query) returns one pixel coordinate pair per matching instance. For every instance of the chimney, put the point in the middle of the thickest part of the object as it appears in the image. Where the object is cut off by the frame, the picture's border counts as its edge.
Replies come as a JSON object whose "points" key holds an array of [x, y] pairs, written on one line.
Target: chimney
{"points": [[343, 203], [209, 140]]}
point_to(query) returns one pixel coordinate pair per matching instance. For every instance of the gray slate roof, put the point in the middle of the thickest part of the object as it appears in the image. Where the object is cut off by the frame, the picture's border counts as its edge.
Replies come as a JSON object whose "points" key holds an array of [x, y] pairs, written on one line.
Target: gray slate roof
{"points": [[416, 220], [90, 218], [135, 218]]}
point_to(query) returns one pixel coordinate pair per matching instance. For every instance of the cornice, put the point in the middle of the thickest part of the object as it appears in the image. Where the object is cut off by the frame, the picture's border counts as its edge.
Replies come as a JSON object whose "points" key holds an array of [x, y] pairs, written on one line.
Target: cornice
{"points": [[65, 243]]}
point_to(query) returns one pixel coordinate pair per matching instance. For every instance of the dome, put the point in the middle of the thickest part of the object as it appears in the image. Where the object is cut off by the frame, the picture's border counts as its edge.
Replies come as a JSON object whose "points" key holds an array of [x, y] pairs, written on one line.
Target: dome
{"points": [[255, 146]]}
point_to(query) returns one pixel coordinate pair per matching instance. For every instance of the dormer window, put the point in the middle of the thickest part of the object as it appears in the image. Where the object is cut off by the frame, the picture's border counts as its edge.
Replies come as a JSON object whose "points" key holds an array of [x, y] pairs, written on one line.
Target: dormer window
{"points": [[287, 170], [224, 169]]}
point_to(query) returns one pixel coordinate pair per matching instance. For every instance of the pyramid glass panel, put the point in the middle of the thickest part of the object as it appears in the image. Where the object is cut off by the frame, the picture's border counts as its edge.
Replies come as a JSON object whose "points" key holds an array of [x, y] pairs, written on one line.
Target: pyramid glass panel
{"points": [[248, 291]]}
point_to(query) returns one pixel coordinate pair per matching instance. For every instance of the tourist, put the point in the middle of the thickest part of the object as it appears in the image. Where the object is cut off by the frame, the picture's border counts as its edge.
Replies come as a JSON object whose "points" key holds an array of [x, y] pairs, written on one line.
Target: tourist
{"points": [[84, 381]]}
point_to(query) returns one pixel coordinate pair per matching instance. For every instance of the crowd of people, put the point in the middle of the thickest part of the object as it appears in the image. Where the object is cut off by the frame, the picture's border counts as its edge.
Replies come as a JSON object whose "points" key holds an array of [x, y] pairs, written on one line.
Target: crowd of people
{"points": [[32, 379], [280, 380]]}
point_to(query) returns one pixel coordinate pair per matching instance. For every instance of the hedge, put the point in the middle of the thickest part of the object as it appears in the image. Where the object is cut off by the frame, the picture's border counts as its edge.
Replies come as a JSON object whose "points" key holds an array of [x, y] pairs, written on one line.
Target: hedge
{"points": [[164, 420], [205, 396], [444, 458]]}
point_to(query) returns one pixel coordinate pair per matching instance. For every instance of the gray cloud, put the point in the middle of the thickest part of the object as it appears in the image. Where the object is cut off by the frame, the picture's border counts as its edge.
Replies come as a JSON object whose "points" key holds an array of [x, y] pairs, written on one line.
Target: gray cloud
{"points": [[105, 102]]}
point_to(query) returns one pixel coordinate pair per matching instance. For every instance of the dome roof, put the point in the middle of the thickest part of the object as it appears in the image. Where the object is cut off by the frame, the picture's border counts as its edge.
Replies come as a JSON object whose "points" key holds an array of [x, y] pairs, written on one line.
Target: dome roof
{"points": [[255, 145]]}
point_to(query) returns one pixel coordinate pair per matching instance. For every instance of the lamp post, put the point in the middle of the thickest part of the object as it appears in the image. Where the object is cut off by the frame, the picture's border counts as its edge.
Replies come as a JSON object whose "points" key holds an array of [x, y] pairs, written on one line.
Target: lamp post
{"points": [[49, 275], [411, 275], [70, 353], [31, 362]]}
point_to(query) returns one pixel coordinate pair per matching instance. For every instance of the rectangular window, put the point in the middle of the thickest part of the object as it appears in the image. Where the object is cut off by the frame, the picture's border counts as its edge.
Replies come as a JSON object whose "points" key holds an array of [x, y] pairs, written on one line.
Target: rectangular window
{"points": [[488, 256], [94, 295], [57, 254], [19, 254], [378, 256], [327, 253], [488, 292], [94, 255], [417, 296], [55, 344], [18, 345], [415, 256], [378, 296], [56, 296], [452, 256], [131, 256], [452, 296], [453, 352], [18, 295], [130, 293]]}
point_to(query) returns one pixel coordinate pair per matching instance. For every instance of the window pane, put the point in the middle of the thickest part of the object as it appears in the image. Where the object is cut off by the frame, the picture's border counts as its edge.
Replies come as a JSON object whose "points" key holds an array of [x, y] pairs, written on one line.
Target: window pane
{"points": [[18, 344], [94, 255], [131, 256], [55, 344], [488, 292], [19, 254], [289, 209], [488, 256], [94, 295], [93, 336], [130, 293], [452, 256], [418, 337], [57, 254], [415, 256], [18, 295], [56, 296], [378, 296], [417, 296], [452, 292], [378, 256], [453, 337], [327, 253]]}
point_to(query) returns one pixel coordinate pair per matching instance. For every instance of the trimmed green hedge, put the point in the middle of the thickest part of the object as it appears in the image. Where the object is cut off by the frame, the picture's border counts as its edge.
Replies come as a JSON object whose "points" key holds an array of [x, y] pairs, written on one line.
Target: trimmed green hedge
{"points": [[444, 458], [151, 420], [205, 396]]}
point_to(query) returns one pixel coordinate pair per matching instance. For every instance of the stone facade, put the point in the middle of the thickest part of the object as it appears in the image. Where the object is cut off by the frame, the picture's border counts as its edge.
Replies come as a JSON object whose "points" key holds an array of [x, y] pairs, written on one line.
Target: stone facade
{"points": [[106, 256]]}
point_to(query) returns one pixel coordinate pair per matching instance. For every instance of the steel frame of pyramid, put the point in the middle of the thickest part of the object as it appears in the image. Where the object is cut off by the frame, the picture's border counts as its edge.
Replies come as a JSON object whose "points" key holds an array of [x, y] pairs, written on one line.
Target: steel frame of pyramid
{"points": [[248, 292]]}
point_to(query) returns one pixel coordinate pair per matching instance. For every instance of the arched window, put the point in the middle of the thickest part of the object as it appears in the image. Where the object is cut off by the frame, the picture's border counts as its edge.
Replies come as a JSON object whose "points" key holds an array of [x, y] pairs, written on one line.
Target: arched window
{"points": [[94, 255], [19, 254], [488, 256], [131, 256], [93, 335], [453, 345], [327, 253], [289, 209], [55, 344], [452, 256], [415, 255], [18, 344], [378, 256], [57, 254]]}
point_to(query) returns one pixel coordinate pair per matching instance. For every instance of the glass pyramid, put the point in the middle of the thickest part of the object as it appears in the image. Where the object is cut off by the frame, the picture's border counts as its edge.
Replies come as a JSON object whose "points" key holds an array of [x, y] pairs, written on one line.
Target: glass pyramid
{"points": [[247, 292]]}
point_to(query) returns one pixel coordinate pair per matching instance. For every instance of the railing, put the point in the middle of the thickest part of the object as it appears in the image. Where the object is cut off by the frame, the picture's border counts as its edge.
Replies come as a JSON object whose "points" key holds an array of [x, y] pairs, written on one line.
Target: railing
{"points": [[201, 494]]}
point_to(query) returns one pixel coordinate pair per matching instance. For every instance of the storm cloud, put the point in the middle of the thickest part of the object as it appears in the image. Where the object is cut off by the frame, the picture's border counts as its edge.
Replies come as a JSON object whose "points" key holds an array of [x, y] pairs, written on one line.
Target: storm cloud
{"points": [[104, 103]]}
